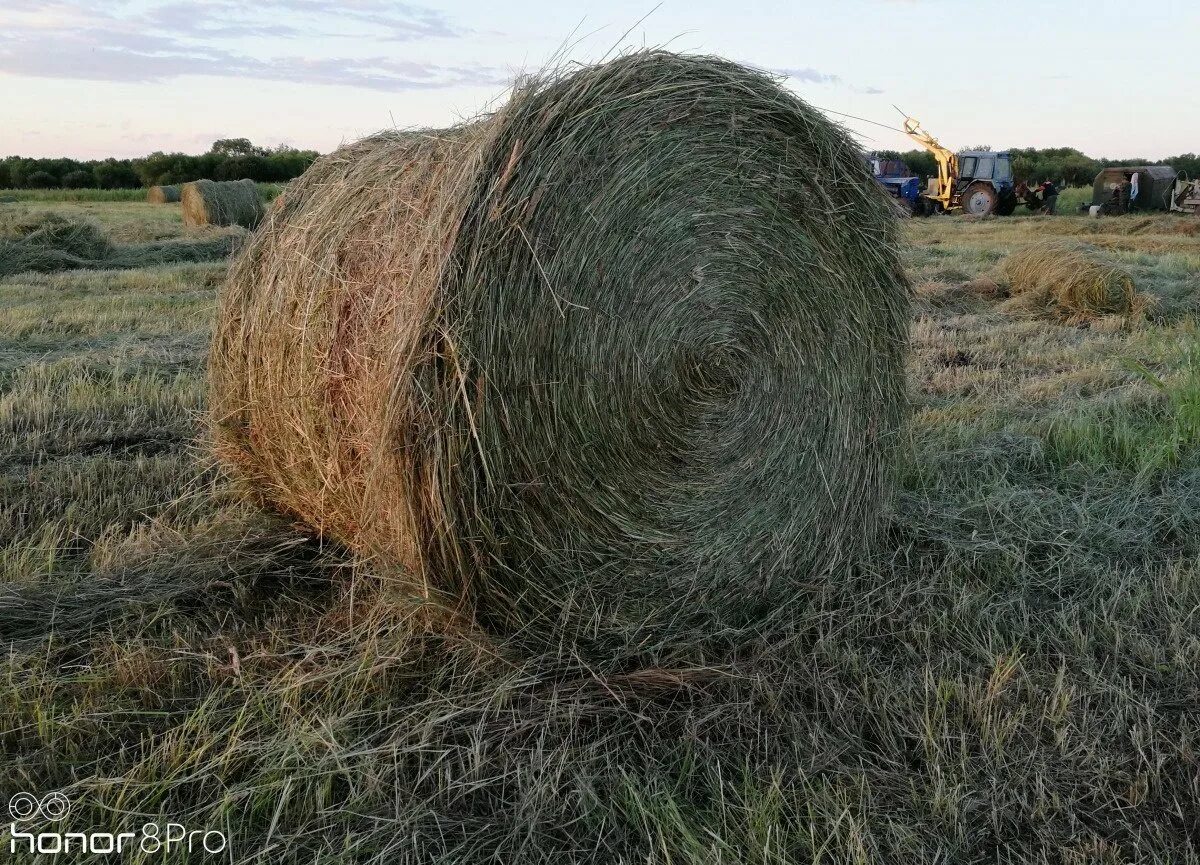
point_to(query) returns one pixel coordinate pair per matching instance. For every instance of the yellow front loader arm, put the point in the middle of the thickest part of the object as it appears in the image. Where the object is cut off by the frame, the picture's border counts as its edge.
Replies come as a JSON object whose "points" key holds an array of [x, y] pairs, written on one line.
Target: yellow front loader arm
{"points": [[947, 161]]}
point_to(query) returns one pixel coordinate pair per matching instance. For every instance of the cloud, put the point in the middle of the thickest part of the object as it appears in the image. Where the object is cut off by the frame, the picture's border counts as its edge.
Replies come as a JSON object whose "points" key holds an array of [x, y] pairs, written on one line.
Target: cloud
{"points": [[810, 75], [815, 76], [117, 41], [106, 63], [377, 19]]}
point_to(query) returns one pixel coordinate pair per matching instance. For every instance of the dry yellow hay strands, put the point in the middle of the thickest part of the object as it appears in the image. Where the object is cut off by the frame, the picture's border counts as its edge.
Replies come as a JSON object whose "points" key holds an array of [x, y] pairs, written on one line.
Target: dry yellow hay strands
{"points": [[1069, 281]]}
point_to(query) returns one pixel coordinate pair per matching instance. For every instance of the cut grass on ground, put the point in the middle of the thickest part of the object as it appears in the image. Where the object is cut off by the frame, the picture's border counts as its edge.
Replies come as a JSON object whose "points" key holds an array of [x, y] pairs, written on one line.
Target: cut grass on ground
{"points": [[1011, 678]]}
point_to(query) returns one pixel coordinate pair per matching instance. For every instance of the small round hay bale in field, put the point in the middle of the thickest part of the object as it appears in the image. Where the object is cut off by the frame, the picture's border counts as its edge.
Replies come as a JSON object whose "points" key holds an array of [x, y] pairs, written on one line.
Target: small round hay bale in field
{"points": [[162, 194], [231, 202], [623, 360], [1070, 281]]}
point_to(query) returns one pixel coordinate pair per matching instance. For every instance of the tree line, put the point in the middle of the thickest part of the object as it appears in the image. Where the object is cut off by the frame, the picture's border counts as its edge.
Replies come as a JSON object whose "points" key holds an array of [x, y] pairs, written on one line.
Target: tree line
{"points": [[237, 158], [228, 159], [1064, 165]]}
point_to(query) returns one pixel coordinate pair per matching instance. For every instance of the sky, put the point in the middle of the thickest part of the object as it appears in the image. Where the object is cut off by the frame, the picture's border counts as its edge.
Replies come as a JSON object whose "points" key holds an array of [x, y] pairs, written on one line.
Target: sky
{"points": [[127, 77]]}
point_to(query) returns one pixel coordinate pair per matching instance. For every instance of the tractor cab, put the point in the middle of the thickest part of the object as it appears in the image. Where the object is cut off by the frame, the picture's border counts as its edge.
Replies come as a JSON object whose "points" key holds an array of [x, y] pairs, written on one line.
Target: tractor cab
{"points": [[985, 183], [979, 182]]}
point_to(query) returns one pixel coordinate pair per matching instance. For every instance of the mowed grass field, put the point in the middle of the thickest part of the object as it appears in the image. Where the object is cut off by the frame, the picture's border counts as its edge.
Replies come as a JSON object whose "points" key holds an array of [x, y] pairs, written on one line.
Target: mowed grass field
{"points": [[1013, 677]]}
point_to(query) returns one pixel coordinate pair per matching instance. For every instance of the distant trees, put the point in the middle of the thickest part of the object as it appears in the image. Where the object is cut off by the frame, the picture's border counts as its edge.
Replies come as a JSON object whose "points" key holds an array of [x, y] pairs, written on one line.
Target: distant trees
{"points": [[235, 158], [115, 174], [228, 159], [237, 147], [40, 180], [78, 178], [1064, 164], [1187, 162]]}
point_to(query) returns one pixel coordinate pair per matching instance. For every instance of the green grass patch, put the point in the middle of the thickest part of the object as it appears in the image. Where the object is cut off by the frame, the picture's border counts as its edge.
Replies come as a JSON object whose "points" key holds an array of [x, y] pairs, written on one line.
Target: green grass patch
{"points": [[58, 195], [8, 196], [1138, 436]]}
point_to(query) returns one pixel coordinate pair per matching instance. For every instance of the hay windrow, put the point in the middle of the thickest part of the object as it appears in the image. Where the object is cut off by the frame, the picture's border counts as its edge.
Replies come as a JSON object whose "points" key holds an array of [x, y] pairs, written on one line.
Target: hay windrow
{"points": [[48, 230], [1069, 281], [162, 194], [49, 242], [624, 359], [209, 202]]}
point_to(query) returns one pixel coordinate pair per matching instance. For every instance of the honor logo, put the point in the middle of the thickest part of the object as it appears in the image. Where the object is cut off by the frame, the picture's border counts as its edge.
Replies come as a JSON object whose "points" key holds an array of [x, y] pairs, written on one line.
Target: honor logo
{"points": [[55, 807]]}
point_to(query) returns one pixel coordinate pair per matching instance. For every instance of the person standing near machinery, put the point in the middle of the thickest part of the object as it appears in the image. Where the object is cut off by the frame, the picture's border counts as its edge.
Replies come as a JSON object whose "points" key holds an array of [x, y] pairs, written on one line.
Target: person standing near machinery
{"points": [[1049, 194], [1124, 195]]}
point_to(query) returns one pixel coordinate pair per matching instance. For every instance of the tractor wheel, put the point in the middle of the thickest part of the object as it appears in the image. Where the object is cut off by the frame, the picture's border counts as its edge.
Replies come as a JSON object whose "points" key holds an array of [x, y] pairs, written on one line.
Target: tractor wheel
{"points": [[1007, 205], [979, 199]]}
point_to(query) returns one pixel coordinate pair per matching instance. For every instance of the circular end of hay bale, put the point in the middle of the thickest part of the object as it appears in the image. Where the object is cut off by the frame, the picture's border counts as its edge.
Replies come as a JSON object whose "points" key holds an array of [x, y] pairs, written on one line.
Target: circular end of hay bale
{"points": [[622, 361]]}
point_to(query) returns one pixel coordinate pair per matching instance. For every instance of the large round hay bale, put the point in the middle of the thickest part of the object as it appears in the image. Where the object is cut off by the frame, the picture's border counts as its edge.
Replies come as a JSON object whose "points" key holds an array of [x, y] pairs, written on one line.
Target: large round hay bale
{"points": [[230, 202], [623, 359], [162, 194]]}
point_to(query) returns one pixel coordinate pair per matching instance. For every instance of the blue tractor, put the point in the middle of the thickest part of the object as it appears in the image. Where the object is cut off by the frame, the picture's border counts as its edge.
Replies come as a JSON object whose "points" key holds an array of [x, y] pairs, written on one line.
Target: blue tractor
{"points": [[896, 177], [976, 182]]}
